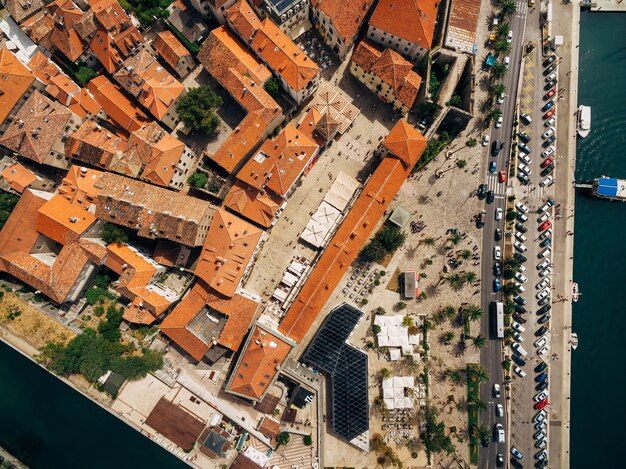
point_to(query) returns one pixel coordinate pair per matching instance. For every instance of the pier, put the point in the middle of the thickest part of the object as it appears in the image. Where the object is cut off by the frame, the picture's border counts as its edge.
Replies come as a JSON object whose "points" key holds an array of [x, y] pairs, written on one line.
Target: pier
{"points": [[583, 186], [604, 5]]}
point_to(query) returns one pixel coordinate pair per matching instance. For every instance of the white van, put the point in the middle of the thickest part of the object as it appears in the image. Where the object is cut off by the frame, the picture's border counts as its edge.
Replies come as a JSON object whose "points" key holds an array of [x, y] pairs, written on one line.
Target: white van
{"points": [[507, 61], [498, 431], [545, 253], [516, 346]]}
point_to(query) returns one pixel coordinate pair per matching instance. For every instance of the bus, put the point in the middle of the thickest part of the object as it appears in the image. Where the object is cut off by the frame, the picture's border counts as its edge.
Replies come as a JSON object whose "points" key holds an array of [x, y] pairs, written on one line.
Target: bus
{"points": [[497, 311]]}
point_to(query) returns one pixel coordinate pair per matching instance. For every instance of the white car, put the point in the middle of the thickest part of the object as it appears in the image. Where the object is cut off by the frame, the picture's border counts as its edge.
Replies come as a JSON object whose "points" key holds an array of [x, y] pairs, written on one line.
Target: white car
{"points": [[507, 61], [541, 456], [543, 284], [551, 77], [547, 152], [520, 236], [542, 294], [521, 207], [509, 37], [548, 133], [541, 444], [540, 416], [499, 410], [519, 372], [521, 277], [543, 218], [543, 264], [546, 234], [545, 272], [518, 327], [540, 396], [518, 337], [496, 390], [520, 287], [499, 122], [499, 214], [520, 247], [485, 141], [550, 122], [501, 97], [522, 218], [540, 342], [497, 253], [524, 169], [542, 351], [499, 432], [522, 268], [545, 253], [541, 435], [541, 426], [525, 158], [519, 349], [547, 182]]}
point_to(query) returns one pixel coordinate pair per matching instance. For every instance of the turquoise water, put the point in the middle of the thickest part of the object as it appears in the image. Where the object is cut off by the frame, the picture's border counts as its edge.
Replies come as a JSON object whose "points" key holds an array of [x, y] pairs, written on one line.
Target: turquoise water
{"points": [[598, 381], [48, 425]]}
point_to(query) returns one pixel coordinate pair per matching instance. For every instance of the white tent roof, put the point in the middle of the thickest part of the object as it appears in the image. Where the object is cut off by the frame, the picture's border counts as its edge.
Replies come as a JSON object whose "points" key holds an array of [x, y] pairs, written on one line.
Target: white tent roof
{"points": [[296, 268], [395, 354], [289, 279], [280, 294], [341, 191], [321, 224]]}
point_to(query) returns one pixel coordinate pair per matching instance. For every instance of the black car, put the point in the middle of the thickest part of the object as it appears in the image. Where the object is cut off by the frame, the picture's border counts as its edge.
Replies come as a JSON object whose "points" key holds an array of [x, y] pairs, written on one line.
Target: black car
{"points": [[541, 367], [549, 70], [549, 141], [547, 170], [490, 197], [543, 319], [519, 318], [523, 178], [485, 442], [544, 301], [499, 460], [521, 228], [519, 300], [521, 257], [517, 358], [549, 60], [544, 309], [545, 242], [525, 148], [541, 331], [524, 137], [497, 234], [497, 269], [482, 190], [541, 386], [540, 378], [496, 146], [520, 309], [549, 85]]}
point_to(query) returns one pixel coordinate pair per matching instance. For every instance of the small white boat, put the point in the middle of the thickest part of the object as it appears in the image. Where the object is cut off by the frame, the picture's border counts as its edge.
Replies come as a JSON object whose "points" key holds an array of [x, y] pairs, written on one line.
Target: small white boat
{"points": [[574, 341], [575, 292], [583, 125]]}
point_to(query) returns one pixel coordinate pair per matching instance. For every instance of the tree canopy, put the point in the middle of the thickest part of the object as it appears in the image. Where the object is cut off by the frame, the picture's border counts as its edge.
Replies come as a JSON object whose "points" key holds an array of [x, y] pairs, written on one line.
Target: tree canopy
{"points": [[7, 204], [197, 109], [112, 233]]}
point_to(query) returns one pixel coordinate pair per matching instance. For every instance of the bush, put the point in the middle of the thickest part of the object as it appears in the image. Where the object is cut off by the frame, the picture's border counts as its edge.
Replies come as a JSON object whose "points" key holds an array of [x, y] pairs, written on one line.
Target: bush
{"points": [[102, 281], [95, 294], [372, 252], [308, 441], [376, 329], [198, 179], [147, 11], [84, 74], [112, 233], [7, 204], [272, 87], [197, 109], [283, 438]]}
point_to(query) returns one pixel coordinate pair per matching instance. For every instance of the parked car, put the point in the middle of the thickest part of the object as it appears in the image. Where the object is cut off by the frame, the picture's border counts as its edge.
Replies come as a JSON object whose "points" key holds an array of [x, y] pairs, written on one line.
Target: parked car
{"points": [[543, 264], [519, 372], [545, 272], [547, 152], [549, 114], [523, 136], [520, 277], [490, 197], [501, 97], [496, 285], [519, 318], [496, 146], [516, 346], [524, 157], [549, 105], [549, 94], [485, 140], [499, 410], [518, 327], [521, 207], [542, 294], [551, 77], [550, 122], [540, 396], [525, 148], [545, 225], [549, 84], [524, 169], [547, 170], [548, 133], [542, 284], [519, 300], [497, 253], [543, 319], [497, 269], [520, 237], [540, 405], [545, 243], [543, 218], [520, 247], [517, 453], [518, 337], [546, 234], [518, 359], [549, 60], [540, 342], [549, 141], [546, 162], [549, 70], [523, 178], [496, 390], [482, 191], [542, 386], [499, 122], [521, 227], [499, 214], [526, 119]]}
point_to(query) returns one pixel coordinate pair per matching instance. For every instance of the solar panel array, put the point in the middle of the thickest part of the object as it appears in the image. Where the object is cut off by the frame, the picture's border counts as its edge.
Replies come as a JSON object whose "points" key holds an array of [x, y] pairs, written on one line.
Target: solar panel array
{"points": [[346, 367]]}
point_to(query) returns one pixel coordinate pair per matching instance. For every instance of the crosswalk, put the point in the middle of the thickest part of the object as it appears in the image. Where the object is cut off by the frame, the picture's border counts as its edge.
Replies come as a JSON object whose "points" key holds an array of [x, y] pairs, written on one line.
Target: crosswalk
{"points": [[522, 8], [493, 184]]}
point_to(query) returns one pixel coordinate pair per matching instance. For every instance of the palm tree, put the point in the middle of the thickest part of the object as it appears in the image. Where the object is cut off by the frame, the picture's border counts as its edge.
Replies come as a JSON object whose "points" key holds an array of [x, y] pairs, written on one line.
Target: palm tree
{"points": [[493, 114], [455, 238], [384, 373], [477, 403], [510, 289], [509, 307], [471, 142], [469, 277], [501, 47], [497, 89], [455, 281], [507, 8], [480, 373], [447, 337], [439, 317], [483, 433], [498, 70], [465, 254], [429, 241], [407, 321], [479, 342], [461, 164], [502, 29], [513, 263], [455, 377], [473, 312], [449, 311]]}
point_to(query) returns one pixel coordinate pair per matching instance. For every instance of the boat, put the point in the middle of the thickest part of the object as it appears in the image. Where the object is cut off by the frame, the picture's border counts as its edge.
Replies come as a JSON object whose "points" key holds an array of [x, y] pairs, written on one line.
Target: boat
{"points": [[575, 292], [609, 188], [584, 120], [574, 341]]}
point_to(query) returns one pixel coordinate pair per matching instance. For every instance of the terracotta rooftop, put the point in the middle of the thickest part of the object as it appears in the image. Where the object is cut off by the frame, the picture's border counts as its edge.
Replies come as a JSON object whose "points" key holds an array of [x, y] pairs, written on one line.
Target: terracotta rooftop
{"points": [[252, 204], [259, 362], [244, 20], [62, 221], [128, 40], [391, 68], [153, 86], [412, 20], [405, 143], [15, 80], [350, 238], [227, 252], [39, 26], [279, 162], [38, 125], [269, 427], [329, 101], [110, 15], [21, 9], [65, 13], [79, 185], [170, 48], [346, 21], [104, 49], [462, 24], [117, 106], [19, 177], [153, 211], [178, 326]]}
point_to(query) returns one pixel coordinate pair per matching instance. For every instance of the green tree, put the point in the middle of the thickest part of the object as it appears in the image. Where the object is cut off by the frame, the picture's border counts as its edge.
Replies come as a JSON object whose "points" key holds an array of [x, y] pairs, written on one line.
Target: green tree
{"points": [[112, 233], [434, 437], [502, 29], [477, 403], [498, 70], [473, 312], [407, 321], [384, 373], [497, 89], [508, 8], [283, 439], [376, 329], [198, 179], [429, 241], [471, 142], [373, 252], [501, 47], [494, 114], [450, 312], [427, 109], [510, 289], [461, 164], [513, 263], [272, 87], [447, 337], [455, 238], [465, 254], [511, 214], [399, 306], [7, 204], [197, 109], [391, 239], [482, 433], [480, 373], [455, 101], [455, 377], [469, 277], [434, 84], [307, 440], [147, 11], [479, 342], [455, 280]]}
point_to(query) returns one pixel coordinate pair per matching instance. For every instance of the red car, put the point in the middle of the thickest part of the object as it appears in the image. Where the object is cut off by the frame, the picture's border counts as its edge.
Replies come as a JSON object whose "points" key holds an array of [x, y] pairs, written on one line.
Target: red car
{"points": [[548, 114], [545, 225], [502, 176], [547, 162], [541, 404], [549, 94]]}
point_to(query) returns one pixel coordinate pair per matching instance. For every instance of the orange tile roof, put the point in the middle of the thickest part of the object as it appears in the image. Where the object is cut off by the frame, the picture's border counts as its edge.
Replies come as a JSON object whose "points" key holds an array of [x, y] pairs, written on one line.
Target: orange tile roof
{"points": [[239, 310], [39, 27], [79, 185], [110, 15], [98, 147], [62, 221], [150, 83], [117, 106], [252, 204], [64, 37], [391, 68], [128, 40], [38, 125], [258, 364], [241, 141], [19, 177], [405, 142], [269, 427], [284, 57], [227, 252], [20, 9], [244, 20], [15, 80], [346, 20], [412, 20], [279, 162], [103, 48], [349, 239], [170, 48]]}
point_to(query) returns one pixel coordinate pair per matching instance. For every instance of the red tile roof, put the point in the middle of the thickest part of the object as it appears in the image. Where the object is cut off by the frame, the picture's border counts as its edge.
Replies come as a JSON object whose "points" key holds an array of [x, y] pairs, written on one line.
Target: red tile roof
{"points": [[243, 19], [350, 238], [79, 185], [252, 204], [391, 68], [64, 37], [346, 21], [15, 80], [258, 363], [63, 221], [170, 48], [103, 48], [412, 20], [177, 325], [117, 106], [19, 177], [227, 252], [20, 9], [278, 164]]}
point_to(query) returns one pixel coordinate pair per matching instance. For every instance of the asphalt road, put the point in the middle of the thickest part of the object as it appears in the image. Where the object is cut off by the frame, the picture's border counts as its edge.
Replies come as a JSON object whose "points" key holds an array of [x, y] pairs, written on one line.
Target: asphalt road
{"points": [[491, 355]]}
